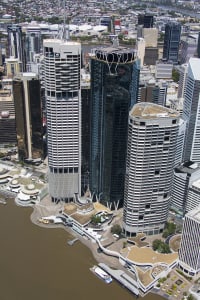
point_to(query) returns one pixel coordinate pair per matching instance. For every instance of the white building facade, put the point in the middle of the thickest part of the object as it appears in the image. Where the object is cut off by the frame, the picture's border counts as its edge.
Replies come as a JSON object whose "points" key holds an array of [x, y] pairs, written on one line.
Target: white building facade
{"points": [[152, 137], [191, 112], [189, 252], [62, 60]]}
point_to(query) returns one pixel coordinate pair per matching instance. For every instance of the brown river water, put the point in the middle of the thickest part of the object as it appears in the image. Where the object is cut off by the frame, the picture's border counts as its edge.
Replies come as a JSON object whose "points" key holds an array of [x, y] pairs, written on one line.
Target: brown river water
{"points": [[37, 263]]}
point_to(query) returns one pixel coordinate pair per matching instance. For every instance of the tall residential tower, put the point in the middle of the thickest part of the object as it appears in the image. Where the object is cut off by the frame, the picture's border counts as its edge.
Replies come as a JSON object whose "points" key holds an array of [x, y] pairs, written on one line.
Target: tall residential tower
{"points": [[62, 61], [152, 138]]}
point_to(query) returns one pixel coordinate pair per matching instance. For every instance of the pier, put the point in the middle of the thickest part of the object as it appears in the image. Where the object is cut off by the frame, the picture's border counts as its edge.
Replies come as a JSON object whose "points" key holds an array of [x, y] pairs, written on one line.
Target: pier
{"points": [[125, 280], [71, 243]]}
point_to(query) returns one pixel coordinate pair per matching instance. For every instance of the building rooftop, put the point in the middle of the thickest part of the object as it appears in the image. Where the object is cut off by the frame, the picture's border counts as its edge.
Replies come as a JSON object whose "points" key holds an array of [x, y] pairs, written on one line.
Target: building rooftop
{"points": [[188, 167], [194, 64], [151, 111], [196, 184], [60, 41], [194, 214]]}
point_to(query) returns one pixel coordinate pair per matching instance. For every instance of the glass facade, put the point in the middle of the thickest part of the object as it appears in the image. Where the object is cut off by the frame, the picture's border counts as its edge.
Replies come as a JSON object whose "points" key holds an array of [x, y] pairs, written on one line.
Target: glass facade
{"points": [[111, 92], [28, 117], [171, 42]]}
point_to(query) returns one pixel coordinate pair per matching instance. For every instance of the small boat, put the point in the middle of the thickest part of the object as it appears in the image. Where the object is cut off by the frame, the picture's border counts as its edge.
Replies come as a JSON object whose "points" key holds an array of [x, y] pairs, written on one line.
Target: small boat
{"points": [[102, 274], [2, 201]]}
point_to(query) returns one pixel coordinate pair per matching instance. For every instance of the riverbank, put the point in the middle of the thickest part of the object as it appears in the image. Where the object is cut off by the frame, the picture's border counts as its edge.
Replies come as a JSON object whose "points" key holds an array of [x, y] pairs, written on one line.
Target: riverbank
{"points": [[47, 208]]}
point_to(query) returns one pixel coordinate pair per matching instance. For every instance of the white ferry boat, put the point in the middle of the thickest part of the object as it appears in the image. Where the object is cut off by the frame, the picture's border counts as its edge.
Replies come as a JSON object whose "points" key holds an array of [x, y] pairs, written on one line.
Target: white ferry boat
{"points": [[102, 274]]}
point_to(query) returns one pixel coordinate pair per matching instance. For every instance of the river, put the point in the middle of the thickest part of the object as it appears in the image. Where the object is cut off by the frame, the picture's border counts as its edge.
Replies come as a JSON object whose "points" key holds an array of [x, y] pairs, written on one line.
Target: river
{"points": [[37, 264]]}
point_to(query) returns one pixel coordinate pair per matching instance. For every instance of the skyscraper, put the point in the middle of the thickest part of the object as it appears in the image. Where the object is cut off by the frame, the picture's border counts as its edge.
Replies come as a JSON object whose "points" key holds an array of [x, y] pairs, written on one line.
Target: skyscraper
{"points": [[15, 44], [171, 41], [152, 136], [191, 112], [198, 46], [189, 252], [63, 111], [145, 20], [111, 96], [28, 115]]}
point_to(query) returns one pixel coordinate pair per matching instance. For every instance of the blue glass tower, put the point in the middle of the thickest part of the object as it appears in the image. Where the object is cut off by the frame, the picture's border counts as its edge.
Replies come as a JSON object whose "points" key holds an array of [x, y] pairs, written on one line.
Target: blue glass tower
{"points": [[171, 41]]}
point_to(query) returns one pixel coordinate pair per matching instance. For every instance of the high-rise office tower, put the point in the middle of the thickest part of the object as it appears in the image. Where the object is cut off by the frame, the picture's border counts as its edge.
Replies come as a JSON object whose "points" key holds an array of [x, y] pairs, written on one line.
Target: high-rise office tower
{"points": [[191, 111], [182, 80], [15, 43], [171, 41], [152, 137], [7, 116], [85, 130], [193, 197], [180, 139], [150, 36], [32, 45], [61, 67], [140, 50], [145, 20], [188, 48], [198, 46], [189, 252], [28, 115], [111, 96]]}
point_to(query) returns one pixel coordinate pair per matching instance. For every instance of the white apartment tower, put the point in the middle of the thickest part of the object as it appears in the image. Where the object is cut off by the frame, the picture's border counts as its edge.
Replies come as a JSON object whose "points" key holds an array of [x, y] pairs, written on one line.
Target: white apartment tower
{"points": [[152, 138], [62, 60], [191, 112], [189, 252]]}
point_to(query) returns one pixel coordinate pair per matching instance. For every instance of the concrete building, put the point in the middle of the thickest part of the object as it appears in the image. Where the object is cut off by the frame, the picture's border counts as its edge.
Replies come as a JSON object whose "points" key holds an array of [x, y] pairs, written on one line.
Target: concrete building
{"points": [[152, 138], [163, 70], [189, 252], [61, 67], [193, 198], [141, 50], [111, 96], [13, 66], [7, 117], [182, 80], [171, 42], [188, 48], [184, 175], [180, 140], [150, 36], [26, 93], [151, 56], [191, 112]]}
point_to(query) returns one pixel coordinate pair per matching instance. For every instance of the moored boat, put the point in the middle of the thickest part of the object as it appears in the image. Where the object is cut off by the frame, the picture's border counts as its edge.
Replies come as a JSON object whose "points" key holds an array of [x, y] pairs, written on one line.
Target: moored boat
{"points": [[102, 274]]}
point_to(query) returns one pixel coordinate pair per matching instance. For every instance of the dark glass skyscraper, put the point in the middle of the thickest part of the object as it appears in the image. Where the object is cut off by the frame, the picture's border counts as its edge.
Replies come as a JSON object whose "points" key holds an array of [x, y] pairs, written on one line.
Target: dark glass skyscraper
{"points": [[26, 91], [146, 21], [111, 93], [171, 41]]}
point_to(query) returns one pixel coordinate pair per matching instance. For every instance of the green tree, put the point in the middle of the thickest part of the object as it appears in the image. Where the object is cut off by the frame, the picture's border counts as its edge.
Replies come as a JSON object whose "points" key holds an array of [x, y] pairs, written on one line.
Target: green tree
{"points": [[175, 75], [170, 228], [95, 219], [160, 246], [156, 244], [116, 229]]}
